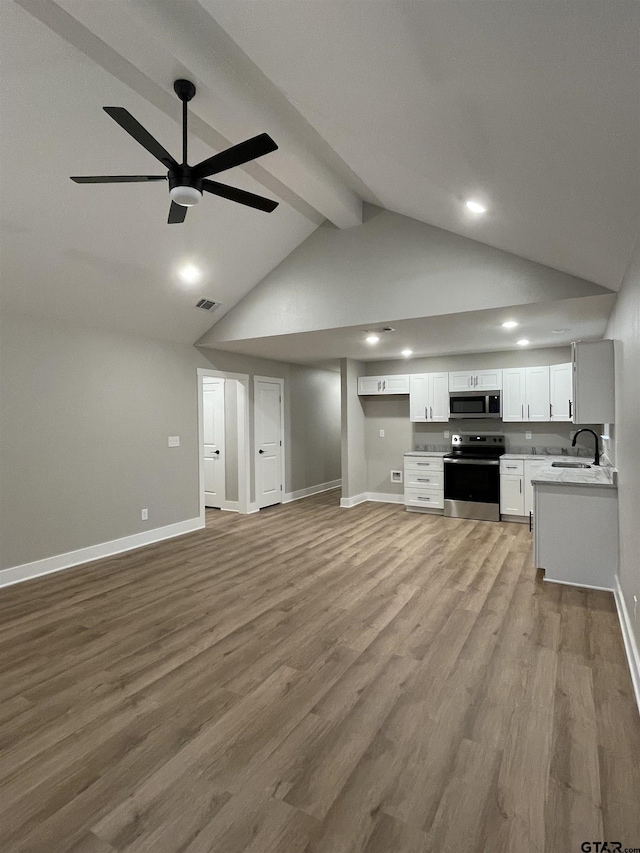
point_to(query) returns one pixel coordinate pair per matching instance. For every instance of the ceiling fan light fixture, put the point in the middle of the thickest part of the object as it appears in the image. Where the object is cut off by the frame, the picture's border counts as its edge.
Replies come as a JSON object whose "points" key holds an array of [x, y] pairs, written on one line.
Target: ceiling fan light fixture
{"points": [[184, 195]]}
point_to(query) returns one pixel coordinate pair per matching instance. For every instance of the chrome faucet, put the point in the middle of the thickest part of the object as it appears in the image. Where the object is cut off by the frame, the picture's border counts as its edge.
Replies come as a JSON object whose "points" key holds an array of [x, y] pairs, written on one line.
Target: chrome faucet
{"points": [[584, 429]]}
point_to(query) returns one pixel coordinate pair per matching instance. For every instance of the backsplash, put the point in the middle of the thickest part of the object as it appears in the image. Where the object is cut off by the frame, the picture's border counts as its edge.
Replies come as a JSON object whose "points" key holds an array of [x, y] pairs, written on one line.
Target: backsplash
{"points": [[546, 439]]}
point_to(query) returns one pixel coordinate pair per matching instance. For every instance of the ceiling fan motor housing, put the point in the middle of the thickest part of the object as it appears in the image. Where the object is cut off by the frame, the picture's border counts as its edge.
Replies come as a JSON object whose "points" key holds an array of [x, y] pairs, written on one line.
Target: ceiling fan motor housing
{"points": [[184, 187]]}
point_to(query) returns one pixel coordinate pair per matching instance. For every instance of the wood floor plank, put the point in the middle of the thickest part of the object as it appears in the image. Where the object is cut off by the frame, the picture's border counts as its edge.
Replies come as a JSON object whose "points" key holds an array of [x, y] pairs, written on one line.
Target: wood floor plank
{"points": [[310, 679]]}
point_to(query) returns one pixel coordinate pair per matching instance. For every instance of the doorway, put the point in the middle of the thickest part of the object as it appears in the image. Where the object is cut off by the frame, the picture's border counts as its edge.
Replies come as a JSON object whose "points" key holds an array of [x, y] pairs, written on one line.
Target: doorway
{"points": [[268, 407], [223, 441]]}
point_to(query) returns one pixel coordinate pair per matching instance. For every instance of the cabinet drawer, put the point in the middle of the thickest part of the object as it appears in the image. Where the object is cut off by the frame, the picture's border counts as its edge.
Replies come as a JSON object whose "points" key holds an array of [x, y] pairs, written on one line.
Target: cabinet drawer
{"points": [[423, 463], [424, 479], [424, 498], [512, 466]]}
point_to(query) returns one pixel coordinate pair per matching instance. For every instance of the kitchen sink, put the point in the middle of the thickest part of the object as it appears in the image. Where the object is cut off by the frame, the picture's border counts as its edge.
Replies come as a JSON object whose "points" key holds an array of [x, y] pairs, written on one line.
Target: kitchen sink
{"points": [[570, 465]]}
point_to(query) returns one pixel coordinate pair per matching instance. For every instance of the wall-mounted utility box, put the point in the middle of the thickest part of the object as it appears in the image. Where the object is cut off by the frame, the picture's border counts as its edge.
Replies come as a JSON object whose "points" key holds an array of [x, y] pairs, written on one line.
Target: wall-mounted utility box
{"points": [[396, 476]]}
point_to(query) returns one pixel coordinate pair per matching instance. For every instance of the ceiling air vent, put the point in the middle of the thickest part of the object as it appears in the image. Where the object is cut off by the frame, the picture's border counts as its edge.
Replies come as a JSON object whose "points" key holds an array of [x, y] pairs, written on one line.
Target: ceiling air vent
{"points": [[207, 304]]}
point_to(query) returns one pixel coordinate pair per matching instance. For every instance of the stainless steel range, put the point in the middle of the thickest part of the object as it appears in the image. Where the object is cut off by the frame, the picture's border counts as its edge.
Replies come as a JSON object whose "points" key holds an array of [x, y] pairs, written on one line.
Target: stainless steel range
{"points": [[472, 476]]}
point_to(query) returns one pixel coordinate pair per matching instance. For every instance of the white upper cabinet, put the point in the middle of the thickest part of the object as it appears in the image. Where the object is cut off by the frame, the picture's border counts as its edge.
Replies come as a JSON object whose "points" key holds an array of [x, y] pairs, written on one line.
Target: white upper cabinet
{"points": [[429, 397], [393, 384], [561, 391], [525, 394], [438, 397], [419, 397], [475, 380], [593, 383], [537, 394], [513, 394]]}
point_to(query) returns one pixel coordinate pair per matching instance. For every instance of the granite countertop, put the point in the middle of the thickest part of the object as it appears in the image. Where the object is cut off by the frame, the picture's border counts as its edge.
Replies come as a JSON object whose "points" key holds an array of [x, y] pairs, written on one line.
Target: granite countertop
{"points": [[598, 475], [547, 457], [439, 453]]}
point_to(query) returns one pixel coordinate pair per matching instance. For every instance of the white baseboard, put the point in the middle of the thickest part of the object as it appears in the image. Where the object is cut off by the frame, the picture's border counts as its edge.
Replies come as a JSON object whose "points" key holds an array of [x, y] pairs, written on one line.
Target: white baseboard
{"points": [[26, 571], [579, 585], [382, 497], [630, 644], [347, 503], [310, 490], [231, 506], [376, 497]]}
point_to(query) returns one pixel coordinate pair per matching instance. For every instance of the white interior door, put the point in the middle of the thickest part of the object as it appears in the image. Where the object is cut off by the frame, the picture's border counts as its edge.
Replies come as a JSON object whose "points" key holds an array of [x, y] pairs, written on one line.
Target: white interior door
{"points": [[213, 423], [268, 441]]}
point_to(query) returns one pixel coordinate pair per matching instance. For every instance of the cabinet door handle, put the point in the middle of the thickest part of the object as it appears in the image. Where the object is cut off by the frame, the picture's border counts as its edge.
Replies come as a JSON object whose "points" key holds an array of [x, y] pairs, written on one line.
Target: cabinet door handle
{"points": [[379, 385], [530, 520], [550, 410], [511, 467], [430, 412], [384, 384], [522, 412], [423, 479], [426, 416], [520, 485], [420, 498], [570, 409], [528, 412]]}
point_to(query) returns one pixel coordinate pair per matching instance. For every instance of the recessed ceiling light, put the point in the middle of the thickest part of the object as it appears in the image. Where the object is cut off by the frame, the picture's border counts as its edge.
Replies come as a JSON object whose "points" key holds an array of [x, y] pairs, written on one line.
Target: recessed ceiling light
{"points": [[189, 273], [558, 331], [510, 324], [372, 339], [407, 352], [476, 207], [523, 342]]}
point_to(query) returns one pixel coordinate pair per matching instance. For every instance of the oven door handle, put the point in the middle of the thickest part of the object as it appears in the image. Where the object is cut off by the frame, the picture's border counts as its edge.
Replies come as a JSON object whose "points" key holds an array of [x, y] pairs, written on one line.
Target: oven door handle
{"points": [[473, 461]]}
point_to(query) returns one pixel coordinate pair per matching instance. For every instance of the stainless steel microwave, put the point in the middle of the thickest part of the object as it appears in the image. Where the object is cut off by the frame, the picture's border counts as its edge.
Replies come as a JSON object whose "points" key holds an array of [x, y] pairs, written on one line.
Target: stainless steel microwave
{"points": [[474, 404]]}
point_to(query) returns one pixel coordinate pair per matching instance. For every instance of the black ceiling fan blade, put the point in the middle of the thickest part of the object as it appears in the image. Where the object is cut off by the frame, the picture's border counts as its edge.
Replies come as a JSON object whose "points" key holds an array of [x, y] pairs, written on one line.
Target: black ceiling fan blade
{"points": [[141, 135], [236, 155], [177, 213], [117, 179], [241, 196]]}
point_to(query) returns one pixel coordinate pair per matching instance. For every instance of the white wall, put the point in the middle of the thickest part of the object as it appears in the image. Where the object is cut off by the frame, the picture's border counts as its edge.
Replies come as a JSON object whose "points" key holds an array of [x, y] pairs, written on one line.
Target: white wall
{"points": [[84, 419], [624, 329], [389, 268], [354, 463]]}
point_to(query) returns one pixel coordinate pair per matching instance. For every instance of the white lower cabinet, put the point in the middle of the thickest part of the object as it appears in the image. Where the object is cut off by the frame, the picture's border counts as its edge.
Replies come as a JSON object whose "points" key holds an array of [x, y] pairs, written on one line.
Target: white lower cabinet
{"points": [[424, 483], [512, 487]]}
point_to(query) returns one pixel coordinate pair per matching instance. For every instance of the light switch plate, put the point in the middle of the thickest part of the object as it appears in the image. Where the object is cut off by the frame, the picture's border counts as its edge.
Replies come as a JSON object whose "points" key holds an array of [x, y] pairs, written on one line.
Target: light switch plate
{"points": [[144, 514], [174, 441], [381, 433], [528, 434], [446, 433]]}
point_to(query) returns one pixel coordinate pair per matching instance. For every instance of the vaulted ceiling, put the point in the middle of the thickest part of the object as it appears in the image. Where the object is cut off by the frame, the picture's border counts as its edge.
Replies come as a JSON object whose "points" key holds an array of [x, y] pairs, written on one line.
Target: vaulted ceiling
{"points": [[529, 107]]}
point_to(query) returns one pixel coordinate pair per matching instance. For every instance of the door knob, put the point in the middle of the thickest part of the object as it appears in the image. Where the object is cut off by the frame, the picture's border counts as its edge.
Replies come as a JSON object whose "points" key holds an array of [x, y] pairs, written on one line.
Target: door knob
{"points": [[261, 451], [217, 453]]}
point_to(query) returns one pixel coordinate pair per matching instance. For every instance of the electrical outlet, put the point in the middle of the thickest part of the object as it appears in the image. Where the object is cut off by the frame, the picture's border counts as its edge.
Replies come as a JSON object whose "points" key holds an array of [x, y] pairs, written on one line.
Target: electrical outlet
{"points": [[381, 433], [144, 515], [174, 441], [395, 476], [528, 435], [446, 433]]}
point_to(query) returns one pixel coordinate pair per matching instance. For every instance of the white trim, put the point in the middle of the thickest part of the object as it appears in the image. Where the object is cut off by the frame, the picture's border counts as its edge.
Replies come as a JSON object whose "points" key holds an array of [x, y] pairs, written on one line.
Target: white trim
{"points": [[382, 497], [244, 460], [26, 571], [277, 381], [630, 644], [375, 497], [230, 506], [579, 585], [347, 503], [311, 490]]}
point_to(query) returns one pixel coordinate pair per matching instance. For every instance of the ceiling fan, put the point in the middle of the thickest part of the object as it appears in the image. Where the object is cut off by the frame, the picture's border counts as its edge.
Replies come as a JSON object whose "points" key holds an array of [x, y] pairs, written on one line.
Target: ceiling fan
{"points": [[186, 183]]}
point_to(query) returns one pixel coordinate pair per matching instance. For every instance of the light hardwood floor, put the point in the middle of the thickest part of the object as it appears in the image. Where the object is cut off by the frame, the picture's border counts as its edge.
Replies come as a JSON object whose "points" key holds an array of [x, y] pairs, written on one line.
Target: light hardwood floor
{"points": [[319, 680]]}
